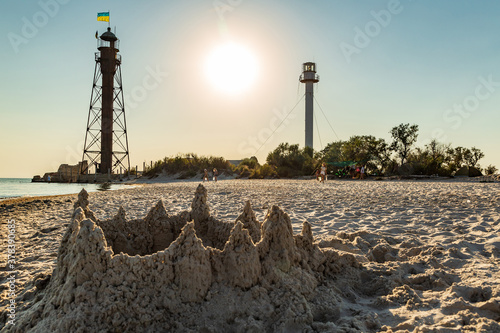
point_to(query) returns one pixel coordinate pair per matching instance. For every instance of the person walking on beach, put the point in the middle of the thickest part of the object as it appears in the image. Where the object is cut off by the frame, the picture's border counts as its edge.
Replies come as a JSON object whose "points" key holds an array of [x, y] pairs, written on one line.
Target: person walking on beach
{"points": [[215, 173], [323, 172], [362, 172], [205, 175]]}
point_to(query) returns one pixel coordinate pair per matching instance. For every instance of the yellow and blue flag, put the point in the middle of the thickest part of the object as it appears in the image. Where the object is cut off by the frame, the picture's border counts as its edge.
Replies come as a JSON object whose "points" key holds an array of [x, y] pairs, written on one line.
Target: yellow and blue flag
{"points": [[103, 16]]}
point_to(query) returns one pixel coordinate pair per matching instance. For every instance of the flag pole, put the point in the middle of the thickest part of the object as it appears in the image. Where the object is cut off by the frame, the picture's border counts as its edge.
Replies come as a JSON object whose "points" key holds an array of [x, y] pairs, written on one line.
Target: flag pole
{"points": [[109, 18]]}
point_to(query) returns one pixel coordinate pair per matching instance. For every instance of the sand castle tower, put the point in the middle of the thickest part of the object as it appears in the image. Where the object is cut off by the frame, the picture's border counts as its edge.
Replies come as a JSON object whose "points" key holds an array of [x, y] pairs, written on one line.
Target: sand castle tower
{"points": [[309, 77], [106, 142]]}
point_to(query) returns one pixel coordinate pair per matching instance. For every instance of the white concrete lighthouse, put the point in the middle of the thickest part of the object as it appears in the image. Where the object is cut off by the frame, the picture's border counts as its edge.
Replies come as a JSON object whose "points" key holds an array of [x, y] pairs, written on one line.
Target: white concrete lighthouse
{"points": [[309, 77]]}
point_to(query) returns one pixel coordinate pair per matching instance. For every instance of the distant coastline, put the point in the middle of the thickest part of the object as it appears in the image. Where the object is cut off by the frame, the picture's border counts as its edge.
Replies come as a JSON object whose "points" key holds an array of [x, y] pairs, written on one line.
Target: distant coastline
{"points": [[11, 188]]}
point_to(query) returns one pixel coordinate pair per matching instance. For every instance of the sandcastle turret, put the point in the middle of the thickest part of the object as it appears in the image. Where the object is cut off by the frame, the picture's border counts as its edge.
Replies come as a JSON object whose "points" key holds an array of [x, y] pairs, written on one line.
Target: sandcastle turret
{"points": [[250, 222], [83, 202], [199, 207]]}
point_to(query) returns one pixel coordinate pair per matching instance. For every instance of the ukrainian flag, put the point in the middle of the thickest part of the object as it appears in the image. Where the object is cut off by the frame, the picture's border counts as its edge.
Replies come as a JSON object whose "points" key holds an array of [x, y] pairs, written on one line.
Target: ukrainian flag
{"points": [[103, 16]]}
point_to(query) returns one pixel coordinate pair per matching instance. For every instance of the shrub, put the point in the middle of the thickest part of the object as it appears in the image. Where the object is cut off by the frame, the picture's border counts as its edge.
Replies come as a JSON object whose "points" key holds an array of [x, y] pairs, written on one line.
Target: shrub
{"points": [[265, 171], [243, 171], [268, 171], [187, 174], [490, 170], [189, 165]]}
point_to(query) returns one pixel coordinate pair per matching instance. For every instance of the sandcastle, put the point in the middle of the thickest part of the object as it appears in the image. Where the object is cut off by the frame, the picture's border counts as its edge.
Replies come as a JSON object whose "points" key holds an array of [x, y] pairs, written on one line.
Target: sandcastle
{"points": [[188, 272]]}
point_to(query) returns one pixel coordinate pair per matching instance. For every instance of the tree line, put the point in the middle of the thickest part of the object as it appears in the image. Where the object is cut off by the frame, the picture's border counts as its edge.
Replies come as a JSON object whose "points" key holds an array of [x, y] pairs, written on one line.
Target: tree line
{"points": [[379, 157], [398, 157]]}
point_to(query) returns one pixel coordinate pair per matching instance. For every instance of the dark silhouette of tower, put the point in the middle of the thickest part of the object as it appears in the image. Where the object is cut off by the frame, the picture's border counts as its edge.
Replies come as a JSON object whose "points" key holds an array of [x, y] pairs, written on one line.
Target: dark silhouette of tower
{"points": [[106, 142], [309, 77]]}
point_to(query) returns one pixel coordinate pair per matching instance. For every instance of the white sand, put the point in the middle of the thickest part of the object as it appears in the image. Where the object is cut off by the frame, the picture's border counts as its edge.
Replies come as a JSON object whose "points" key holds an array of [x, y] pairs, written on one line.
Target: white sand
{"points": [[426, 256]]}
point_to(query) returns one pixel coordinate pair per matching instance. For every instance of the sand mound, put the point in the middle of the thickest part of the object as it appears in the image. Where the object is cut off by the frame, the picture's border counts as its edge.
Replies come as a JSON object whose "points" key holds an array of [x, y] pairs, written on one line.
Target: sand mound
{"points": [[190, 272]]}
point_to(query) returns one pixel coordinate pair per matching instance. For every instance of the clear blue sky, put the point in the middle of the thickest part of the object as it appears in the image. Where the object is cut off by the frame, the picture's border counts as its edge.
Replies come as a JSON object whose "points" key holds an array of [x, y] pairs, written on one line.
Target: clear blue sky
{"points": [[381, 63]]}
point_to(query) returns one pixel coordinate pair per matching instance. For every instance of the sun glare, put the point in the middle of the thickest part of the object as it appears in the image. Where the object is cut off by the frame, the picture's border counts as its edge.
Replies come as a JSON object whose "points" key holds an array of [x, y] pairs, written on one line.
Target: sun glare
{"points": [[231, 68]]}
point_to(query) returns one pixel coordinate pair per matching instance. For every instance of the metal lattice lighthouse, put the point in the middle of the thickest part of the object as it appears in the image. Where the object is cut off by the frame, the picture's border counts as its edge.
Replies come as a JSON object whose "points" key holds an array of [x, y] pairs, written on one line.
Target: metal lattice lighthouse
{"points": [[106, 142], [309, 77]]}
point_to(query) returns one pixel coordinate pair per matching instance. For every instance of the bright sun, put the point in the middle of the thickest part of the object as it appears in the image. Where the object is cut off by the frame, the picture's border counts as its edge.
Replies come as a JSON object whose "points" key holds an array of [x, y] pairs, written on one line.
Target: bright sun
{"points": [[231, 68]]}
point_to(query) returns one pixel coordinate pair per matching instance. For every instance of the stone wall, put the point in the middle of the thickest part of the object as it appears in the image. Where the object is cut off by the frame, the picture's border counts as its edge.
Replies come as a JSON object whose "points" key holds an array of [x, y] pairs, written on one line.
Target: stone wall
{"points": [[65, 173], [70, 173]]}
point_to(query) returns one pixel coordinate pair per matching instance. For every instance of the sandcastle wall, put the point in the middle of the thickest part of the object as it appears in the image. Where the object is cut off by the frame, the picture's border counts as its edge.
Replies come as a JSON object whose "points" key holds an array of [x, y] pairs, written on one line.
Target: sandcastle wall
{"points": [[149, 274]]}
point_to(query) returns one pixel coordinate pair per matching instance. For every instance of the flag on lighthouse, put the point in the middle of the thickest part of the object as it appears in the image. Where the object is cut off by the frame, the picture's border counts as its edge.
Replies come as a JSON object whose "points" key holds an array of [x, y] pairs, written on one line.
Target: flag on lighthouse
{"points": [[103, 16]]}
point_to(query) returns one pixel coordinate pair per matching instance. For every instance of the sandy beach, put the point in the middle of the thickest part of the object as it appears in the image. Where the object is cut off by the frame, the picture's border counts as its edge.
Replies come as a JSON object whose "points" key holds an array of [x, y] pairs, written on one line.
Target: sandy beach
{"points": [[415, 256]]}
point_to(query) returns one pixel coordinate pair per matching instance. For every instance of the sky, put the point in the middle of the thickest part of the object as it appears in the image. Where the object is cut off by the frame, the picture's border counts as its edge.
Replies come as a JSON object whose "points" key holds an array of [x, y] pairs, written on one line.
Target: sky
{"points": [[381, 63]]}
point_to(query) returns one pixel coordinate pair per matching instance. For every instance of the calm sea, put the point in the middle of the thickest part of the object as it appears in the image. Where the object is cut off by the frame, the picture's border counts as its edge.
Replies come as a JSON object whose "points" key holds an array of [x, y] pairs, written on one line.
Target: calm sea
{"points": [[23, 187]]}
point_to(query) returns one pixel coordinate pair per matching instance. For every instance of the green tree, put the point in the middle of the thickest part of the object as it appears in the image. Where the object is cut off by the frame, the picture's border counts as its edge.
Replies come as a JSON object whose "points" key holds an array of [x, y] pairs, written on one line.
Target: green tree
{"points": [[455, 157], [247, 167], [290, 161], [404, 137], [417, 160], [365, 149], [332, 152], [383, 154], [472, 157], [436, 157], [251, 162], [358, 148]]}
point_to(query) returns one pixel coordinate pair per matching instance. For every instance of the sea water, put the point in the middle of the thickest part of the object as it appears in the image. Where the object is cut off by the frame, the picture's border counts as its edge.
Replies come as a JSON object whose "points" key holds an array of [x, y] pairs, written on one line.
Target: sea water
{"points": [[23, 187]]}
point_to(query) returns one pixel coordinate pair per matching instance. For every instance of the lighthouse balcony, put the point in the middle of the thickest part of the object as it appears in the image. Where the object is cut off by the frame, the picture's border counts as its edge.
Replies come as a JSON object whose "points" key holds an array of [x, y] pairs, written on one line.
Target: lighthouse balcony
{"points": [[309, 77], [106, 43]]}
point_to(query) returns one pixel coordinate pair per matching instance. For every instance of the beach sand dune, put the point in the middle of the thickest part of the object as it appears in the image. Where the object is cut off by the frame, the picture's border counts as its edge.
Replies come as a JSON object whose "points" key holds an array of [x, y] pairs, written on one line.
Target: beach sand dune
{"points": [[260, 256]]}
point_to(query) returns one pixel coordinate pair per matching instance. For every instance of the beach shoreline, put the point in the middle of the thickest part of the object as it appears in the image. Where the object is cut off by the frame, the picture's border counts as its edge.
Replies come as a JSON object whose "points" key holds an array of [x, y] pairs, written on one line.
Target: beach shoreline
{"points": [[170, 179]]}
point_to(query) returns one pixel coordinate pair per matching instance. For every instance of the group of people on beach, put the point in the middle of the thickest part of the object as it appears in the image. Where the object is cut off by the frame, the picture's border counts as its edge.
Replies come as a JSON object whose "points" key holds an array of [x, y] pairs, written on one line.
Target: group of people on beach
{"points": [[355, 172], [215, 174]]}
